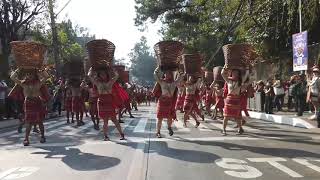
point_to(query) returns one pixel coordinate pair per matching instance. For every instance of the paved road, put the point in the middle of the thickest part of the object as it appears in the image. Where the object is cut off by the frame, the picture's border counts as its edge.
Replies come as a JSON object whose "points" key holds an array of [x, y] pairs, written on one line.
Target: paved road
{"points": [[265, 151]]}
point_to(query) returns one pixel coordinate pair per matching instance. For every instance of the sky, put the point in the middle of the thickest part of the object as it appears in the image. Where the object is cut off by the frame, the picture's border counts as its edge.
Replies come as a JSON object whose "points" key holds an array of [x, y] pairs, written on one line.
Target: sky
{"points": [[109, 19]]}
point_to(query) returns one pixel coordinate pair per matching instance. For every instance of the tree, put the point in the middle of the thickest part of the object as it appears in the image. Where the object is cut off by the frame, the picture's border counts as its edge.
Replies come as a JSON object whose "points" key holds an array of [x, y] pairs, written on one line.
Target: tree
{"points": [[206, 25], [16, 18], [143, 63]]}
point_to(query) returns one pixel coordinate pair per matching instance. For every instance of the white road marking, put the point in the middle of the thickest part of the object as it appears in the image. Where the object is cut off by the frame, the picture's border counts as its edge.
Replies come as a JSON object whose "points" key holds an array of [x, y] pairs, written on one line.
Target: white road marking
{"points": [[137, 170], [275, 163], [244, 171], [308, 164], [123, 126], [17, 173], [140, 128]]}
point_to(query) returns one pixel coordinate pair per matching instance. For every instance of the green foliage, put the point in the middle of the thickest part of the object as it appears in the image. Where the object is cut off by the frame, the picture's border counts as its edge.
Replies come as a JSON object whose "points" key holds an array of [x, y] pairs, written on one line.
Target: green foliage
{"points": [[142, 63], [207, 25]]}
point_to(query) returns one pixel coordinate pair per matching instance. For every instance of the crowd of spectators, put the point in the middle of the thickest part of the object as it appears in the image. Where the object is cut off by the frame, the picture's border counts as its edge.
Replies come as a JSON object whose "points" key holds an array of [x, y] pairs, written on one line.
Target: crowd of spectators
{"points": [[277, 94]]}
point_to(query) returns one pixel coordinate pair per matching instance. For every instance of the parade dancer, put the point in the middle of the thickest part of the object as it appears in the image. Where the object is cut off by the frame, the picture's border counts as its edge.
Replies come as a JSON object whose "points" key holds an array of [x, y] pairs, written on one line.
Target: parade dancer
{"points": [[219, 98], [190, 103], [232, 107], [166, 103], [106, 107], [68, 102], [93, 109], [77, 101], [181, 97], [209, 98], [34, 110]]}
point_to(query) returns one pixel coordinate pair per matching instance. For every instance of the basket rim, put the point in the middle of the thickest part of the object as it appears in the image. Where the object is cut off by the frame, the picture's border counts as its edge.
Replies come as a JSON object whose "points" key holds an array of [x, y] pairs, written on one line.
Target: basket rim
{"points": [[28, 42], [168, 41], [101, 40]]}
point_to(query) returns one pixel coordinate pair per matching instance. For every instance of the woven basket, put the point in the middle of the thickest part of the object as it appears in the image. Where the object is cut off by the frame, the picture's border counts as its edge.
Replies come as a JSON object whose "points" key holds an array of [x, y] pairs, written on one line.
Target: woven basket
{"points": [[168, 54], [100, 52], [192, 63], [28, 55], [217, 74], [238, 56]]}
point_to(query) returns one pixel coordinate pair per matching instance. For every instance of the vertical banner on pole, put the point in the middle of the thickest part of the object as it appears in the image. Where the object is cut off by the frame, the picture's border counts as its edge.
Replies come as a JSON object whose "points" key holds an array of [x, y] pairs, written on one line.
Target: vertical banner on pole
{"points": [[300, 51]]}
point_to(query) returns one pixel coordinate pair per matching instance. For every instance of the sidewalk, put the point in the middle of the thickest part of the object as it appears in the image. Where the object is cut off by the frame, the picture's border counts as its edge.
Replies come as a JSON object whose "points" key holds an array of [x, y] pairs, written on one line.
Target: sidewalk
{"points": [[287, 118], [8, 123]]}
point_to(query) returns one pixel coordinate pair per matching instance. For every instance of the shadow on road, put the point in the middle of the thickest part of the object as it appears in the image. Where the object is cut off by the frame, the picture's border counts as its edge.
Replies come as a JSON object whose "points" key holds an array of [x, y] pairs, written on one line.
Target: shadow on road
{"points": [[78, 160]]}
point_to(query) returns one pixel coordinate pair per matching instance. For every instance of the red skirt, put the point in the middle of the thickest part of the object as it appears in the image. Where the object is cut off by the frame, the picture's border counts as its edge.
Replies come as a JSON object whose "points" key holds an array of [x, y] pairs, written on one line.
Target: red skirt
{"points": [[93, 109], [68, 104], [106, 108], [179, 103], [77, 104], [232, 107], [219, 102], [190, 103], [34, 110], [165, 108]]}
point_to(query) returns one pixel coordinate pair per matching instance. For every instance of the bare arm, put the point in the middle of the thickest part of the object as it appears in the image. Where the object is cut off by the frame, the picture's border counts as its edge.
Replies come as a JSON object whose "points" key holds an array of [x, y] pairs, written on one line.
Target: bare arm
{"points": [[224, 74], [180, 78], [92, 76], [157, 74], [43, 76], [245, 77], [14, 77], [114, 78]]}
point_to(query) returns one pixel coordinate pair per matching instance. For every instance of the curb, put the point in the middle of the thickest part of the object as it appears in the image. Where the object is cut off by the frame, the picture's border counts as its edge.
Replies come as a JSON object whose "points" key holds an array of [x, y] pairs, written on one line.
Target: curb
{"points": [[280, 119]]}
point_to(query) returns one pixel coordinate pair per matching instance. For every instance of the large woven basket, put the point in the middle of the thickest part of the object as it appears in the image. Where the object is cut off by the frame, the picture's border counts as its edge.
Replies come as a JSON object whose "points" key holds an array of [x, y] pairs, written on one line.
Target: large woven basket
{"points": [[168, 54], [217, 74], [28, 55], [238, 56], [100, 52], [192, 63]]}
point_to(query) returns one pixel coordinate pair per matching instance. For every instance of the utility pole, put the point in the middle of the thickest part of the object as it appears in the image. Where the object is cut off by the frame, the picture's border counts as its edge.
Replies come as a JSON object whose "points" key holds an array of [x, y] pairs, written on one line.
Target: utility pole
{"points": [[300, 18], [55, 42]]}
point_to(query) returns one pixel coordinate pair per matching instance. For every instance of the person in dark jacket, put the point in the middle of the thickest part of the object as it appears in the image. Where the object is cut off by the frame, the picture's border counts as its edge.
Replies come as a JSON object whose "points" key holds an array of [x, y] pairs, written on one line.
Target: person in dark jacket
{"points": [[299, 92]]}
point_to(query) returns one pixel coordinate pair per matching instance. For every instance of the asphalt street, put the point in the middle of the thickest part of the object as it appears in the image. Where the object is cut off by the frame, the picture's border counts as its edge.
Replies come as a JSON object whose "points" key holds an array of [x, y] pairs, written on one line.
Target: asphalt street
{"points": [[266, 151]]}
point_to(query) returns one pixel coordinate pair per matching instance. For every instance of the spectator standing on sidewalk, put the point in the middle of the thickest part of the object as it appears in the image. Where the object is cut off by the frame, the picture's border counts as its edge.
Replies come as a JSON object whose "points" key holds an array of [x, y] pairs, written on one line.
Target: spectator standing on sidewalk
{"points": [[260, 89], [269, 95], [279, 93], [3, 93], [292, 84], [313, 91], [300, 93]]}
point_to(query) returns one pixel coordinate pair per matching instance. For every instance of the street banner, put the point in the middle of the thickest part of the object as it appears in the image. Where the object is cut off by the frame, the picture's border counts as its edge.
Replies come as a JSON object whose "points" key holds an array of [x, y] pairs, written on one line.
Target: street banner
{"points": [[300, 51]]}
